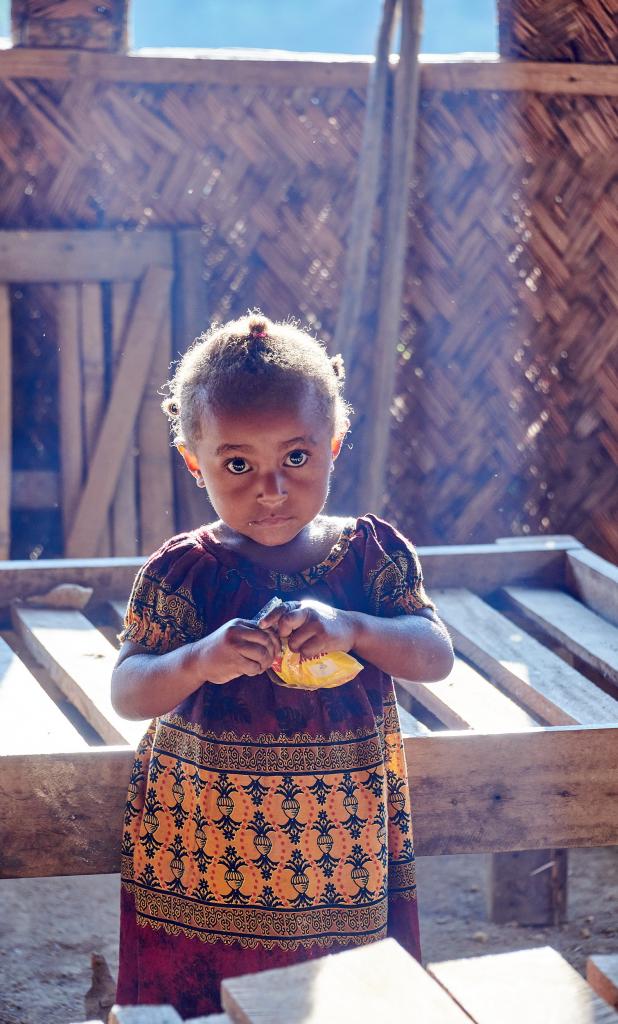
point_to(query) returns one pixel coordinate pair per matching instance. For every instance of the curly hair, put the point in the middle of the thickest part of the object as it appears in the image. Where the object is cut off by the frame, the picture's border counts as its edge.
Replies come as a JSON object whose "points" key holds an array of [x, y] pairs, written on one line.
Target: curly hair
{"points": [[252, 362]]}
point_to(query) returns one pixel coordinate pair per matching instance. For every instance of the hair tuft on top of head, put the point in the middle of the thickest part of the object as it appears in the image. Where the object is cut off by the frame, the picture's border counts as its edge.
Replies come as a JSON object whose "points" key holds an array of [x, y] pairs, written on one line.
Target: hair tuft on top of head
{"points": [[258, 328]]}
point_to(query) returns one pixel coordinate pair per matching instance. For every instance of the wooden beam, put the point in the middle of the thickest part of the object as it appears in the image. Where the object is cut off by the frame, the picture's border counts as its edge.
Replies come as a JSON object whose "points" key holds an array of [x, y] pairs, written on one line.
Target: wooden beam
{"points": [[535, 985], [466, 700], [595, 581], [6, 420], [480, 567], [542, 788], [150, 310], [154, 462], [70, 411], [123, 513], [534, 676], [80, 661], [33, 257], [393, 246], [110, 578], [560, 617], [30, 721], [602, 975], [285, 71]]}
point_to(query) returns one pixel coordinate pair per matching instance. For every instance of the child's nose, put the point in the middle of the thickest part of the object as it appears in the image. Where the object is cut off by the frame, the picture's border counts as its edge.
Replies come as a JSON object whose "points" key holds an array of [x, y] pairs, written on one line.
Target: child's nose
{"points": [[272, 489]]}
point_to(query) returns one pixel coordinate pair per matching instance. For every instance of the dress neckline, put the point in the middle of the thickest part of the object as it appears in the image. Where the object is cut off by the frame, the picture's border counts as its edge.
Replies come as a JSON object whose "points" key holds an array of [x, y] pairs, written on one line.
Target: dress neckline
{"points": [[273, 578]]}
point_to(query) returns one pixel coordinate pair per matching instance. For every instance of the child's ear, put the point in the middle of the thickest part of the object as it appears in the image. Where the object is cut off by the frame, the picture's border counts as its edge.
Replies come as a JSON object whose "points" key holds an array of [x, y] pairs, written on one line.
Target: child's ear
{"points": [[192, 465], [337, 441]]}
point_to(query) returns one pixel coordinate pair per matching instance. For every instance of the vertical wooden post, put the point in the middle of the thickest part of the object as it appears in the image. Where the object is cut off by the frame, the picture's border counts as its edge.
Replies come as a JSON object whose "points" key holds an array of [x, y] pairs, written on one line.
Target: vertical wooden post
{"points": [[191, 319], [70, 393], [367, 189], [528, 886], [394, 239], [123, 514], [5, 422]]}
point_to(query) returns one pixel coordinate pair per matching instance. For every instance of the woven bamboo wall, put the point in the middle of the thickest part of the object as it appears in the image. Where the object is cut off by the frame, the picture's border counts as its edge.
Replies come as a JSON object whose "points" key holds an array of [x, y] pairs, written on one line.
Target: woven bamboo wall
{"points": [[505, 416], [573, 30]]}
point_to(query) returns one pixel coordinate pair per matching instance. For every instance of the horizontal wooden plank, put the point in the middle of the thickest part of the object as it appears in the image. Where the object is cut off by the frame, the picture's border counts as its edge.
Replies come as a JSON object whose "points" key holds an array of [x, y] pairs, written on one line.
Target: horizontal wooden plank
{"points": [[365, 985], [282, 69], [551, 787], [534, 676], [482, 568], [563, 541], [30, 721], [109, 577], [595, 581], [80, 661], [579, 630], [535, 985], [60, 256], [466, 700]]}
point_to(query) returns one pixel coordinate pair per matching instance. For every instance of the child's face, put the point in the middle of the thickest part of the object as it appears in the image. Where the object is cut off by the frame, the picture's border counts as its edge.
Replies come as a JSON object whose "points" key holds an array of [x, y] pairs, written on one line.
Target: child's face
{"points": [[266, 471]]}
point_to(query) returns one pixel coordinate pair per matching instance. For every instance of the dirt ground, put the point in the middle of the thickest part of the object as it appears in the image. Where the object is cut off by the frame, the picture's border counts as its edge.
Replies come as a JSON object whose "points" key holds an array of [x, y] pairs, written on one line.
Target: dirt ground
{"points": [[49, 927]]}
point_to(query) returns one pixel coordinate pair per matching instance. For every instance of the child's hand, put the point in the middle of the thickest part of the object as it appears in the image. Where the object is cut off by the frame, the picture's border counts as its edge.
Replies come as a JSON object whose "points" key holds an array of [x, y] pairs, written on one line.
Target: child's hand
{"points": [[314, 628], [238, 648]]}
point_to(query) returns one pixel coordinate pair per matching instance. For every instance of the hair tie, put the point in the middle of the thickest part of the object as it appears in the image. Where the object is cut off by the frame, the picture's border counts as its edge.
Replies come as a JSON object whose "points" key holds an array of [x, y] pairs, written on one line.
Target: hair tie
{"points": [[261, 334]]}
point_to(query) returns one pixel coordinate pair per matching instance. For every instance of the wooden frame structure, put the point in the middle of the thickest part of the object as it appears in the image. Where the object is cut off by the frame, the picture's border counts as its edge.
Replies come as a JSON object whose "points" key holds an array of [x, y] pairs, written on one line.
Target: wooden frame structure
{"points": [[472, 791]]}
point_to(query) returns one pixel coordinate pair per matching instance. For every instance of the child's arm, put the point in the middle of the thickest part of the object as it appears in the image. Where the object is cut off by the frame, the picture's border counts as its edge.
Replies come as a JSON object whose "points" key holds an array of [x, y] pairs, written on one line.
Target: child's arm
{"points": [[416, 647], [146, 685]]}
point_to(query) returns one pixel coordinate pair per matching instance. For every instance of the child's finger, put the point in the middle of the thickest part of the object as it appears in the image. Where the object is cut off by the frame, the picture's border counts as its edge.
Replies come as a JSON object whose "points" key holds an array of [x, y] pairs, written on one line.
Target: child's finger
{"points": [[274, 616], [299, 637], [292, 620]]}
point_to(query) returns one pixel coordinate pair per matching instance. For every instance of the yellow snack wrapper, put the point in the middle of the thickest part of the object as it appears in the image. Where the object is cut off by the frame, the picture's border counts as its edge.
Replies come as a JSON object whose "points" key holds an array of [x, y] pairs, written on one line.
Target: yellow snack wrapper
{"points": [[323, 672]]}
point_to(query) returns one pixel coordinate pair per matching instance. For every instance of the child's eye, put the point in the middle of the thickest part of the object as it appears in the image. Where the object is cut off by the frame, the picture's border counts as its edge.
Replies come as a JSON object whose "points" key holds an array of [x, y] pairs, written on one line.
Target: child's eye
{"points": [[237, 466], [296, 458]]}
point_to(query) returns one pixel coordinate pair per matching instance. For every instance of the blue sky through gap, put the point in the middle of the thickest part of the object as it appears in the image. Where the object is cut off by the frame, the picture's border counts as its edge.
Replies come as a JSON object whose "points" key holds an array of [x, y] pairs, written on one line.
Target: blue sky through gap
{"points": [[328, 26]]}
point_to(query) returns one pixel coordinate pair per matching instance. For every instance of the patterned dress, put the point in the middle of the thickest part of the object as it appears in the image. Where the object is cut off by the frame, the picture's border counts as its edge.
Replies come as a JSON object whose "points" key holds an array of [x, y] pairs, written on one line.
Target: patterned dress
{"points": [[264, 825]]}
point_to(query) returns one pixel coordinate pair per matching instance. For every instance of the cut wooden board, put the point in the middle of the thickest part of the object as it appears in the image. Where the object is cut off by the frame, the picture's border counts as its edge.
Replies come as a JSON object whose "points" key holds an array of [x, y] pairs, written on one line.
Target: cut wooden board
{"points": [[466, 700], [79, 256], [576, 627], [533, 985], [6, 417], [595, 581], [602, 975], [30, 722], [538, 679], [109, 577], [364, 985], [150, 311], [470, 793], [80, 661]]}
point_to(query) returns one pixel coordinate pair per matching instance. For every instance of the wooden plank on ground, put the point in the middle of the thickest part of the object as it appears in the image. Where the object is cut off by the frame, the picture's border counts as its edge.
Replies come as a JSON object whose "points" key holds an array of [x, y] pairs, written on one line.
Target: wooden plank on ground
{"points": [[365, 985], [81, 256], [595, 581], [80, 661], [602, 975], [123, 513], [150, 310], [466, 700], [6, 418], [156, 487], [144, 1015], [30, 722], [552, 787], [70, 411], [534, 985], [535, 677], [579, 630]]}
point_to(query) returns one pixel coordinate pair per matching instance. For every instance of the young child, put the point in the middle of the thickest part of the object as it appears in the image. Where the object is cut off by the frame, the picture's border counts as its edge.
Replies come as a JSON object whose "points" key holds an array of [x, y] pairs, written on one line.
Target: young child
{"points": [[265, 825]]}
